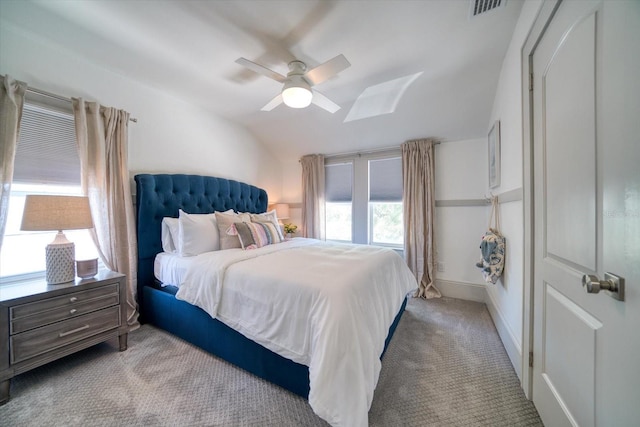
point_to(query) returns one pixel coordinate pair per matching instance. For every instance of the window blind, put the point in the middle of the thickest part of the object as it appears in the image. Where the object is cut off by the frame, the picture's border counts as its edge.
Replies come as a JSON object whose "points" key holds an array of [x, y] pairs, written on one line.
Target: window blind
{"points": [[46, 152], [338, 182], [385, 180]]}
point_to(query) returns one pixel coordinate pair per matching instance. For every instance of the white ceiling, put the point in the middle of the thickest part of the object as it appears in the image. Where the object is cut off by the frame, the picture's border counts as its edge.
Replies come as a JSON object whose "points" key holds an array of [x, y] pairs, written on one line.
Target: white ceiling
{"points": [[188, 48]]}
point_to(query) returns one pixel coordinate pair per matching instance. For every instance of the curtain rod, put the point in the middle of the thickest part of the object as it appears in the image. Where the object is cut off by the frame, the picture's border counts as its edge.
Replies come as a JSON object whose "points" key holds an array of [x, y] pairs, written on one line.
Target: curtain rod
{"points": [[62, 98], [375, 151], [364, 153]]}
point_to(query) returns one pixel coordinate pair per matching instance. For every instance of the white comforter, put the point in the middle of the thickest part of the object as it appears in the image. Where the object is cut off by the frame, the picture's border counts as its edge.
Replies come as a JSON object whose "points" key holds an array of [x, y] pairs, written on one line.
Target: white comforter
{"points": [[327, 306]]}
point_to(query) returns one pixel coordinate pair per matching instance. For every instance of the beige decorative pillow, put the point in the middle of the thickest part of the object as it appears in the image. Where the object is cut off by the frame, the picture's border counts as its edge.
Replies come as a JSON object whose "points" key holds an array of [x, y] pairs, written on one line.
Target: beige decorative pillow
{"points": [[225, 221], [266, 216]]}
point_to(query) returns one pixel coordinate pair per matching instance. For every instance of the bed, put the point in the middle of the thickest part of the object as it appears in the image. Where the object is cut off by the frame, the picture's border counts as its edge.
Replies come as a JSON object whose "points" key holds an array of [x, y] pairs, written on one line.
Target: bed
{"points": [[163, 195]]}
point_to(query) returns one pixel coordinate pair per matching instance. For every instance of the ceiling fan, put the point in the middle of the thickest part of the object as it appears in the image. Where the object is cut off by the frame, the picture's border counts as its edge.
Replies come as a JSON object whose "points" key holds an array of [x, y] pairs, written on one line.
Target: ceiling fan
{"points": [[297, 91]]}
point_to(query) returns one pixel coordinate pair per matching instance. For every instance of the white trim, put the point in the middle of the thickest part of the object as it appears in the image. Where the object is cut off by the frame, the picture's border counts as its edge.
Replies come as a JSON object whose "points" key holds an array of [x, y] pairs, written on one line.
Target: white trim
{"points": [[19, 278], [454, 203], [462, 290], [538, 27], [507, 336], [514, 195]]}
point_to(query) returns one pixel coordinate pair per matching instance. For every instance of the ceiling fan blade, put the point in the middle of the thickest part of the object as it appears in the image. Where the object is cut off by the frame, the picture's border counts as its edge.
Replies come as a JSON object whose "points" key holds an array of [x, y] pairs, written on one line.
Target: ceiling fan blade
{"points": [[323, 102], [327, 70], [273, 103], [261, 70]]}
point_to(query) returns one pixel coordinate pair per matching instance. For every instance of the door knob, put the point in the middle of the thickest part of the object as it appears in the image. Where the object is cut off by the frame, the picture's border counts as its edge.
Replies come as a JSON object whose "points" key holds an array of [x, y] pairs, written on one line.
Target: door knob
{"points": [[612, 283]]}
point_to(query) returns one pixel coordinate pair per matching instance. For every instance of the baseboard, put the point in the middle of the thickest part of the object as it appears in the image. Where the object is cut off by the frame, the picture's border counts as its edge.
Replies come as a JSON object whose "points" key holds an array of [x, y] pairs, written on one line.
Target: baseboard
{"points": [[514, 350], [462, 290], [478, 292]]}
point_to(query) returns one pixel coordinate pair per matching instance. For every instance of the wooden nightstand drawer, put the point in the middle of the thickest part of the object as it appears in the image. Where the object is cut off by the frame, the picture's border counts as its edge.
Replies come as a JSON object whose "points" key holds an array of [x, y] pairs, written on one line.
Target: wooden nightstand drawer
{"points": [[40, 340], [41, 313]]}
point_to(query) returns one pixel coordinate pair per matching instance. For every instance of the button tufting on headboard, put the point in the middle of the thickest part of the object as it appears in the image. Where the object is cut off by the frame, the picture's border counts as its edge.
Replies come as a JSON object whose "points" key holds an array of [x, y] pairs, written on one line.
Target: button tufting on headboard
{"points": [[162, 195]]}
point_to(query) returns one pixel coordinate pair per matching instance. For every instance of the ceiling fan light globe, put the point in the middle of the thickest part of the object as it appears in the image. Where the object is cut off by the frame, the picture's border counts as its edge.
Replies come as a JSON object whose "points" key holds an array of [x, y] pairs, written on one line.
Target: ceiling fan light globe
{"points": [[297, 97]]}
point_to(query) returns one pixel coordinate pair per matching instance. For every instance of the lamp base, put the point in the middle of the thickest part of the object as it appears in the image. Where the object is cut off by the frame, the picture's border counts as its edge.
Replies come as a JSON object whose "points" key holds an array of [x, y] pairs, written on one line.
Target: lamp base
{"points": [[61, 266]]}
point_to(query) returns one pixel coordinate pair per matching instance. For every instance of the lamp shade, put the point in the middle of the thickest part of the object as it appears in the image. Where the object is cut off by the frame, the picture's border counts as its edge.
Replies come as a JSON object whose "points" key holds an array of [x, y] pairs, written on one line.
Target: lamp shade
{"points": [[296, 92], [47, 212], [282, 210]]}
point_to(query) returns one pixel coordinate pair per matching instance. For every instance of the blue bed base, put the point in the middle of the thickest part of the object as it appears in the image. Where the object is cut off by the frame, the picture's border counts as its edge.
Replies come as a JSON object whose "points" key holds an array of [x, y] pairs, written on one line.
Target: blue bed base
{"points": [[196, 326], [158, 196]]}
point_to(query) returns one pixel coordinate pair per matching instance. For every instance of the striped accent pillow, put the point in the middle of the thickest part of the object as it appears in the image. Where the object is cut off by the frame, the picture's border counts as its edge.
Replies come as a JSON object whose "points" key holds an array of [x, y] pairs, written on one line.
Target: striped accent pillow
{"points": [[254, 235], [270, 218], [273, 231]]}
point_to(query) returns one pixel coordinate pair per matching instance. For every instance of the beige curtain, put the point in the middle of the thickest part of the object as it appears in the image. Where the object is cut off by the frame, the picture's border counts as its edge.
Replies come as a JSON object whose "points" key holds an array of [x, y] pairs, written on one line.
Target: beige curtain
{"points": [[418, 170], [102, 136], [11, 103], [313, 196]]}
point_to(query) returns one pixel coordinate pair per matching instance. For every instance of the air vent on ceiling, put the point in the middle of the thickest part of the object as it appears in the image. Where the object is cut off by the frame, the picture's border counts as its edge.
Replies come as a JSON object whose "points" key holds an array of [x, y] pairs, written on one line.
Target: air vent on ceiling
{"points": [[478, 7]]}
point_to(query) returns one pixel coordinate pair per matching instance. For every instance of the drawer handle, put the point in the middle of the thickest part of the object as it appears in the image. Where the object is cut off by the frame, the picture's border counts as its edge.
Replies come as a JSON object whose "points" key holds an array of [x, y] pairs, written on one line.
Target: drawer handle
{"points": [[73, 299], [73, 331], [72, 311]]}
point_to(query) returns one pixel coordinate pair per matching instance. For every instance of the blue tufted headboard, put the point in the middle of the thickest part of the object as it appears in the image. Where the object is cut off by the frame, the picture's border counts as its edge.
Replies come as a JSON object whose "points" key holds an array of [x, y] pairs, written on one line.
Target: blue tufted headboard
{"points": [[158, 196]]}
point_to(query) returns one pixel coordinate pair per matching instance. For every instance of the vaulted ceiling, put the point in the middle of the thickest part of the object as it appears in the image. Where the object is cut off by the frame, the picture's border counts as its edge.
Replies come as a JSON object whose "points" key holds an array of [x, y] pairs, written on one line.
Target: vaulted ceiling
{"points": [[188, 48]]}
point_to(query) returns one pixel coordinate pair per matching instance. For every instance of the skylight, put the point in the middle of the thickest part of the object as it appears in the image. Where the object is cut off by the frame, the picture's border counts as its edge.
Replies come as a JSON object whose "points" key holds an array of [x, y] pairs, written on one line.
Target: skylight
{"points": [[380, 99]]}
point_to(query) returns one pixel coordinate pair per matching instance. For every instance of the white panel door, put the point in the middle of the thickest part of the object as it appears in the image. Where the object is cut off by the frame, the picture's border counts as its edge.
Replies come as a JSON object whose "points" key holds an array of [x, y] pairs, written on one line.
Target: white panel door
{"points": [[586, 166]]}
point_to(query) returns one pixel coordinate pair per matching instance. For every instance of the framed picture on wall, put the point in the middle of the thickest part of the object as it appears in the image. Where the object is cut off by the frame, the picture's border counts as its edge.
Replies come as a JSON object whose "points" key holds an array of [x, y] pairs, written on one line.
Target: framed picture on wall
{"points": [[494, 155]]}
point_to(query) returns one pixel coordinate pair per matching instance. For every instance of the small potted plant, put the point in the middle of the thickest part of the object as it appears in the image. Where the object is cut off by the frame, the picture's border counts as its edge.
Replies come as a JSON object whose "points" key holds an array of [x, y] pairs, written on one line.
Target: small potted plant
{"points": [[289, 230]]}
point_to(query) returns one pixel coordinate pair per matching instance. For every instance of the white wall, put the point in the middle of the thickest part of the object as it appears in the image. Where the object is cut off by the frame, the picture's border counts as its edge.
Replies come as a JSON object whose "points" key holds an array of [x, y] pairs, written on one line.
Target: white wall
{"points": [[505, 299], [292, 191], [461, 177], [171, 135]]}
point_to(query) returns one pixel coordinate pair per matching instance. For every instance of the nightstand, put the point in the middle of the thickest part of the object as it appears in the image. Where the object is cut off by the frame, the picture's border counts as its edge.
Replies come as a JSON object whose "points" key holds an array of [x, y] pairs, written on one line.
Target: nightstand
{"points": [[40, 323]]}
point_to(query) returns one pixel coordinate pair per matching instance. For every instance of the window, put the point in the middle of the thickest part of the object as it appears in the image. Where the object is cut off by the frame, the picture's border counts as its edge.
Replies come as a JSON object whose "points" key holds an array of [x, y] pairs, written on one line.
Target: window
{"points": [[46, 163], [338, 198], [386, 223], [364, 199], [385, 202]]}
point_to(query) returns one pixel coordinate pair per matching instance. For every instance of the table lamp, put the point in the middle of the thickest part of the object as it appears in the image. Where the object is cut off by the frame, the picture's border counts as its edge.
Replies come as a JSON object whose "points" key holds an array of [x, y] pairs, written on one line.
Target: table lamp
{"points": [[47, 212], [282, 211]]}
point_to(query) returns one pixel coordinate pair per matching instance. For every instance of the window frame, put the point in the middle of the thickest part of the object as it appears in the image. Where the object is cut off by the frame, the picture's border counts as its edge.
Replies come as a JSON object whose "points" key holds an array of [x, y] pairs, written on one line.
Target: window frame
{"points": [[361, 222], [19, 189]]}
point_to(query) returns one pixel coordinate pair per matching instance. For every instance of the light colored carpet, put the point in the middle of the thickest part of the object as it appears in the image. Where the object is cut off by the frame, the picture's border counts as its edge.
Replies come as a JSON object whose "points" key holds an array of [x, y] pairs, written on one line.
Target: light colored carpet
{"points": [[445, 366]]}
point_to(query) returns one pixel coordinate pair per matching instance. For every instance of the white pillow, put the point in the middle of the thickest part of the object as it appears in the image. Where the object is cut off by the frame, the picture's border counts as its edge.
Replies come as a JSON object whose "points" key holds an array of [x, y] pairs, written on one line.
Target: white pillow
{"points": [[169, 234], [197, 233]]}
